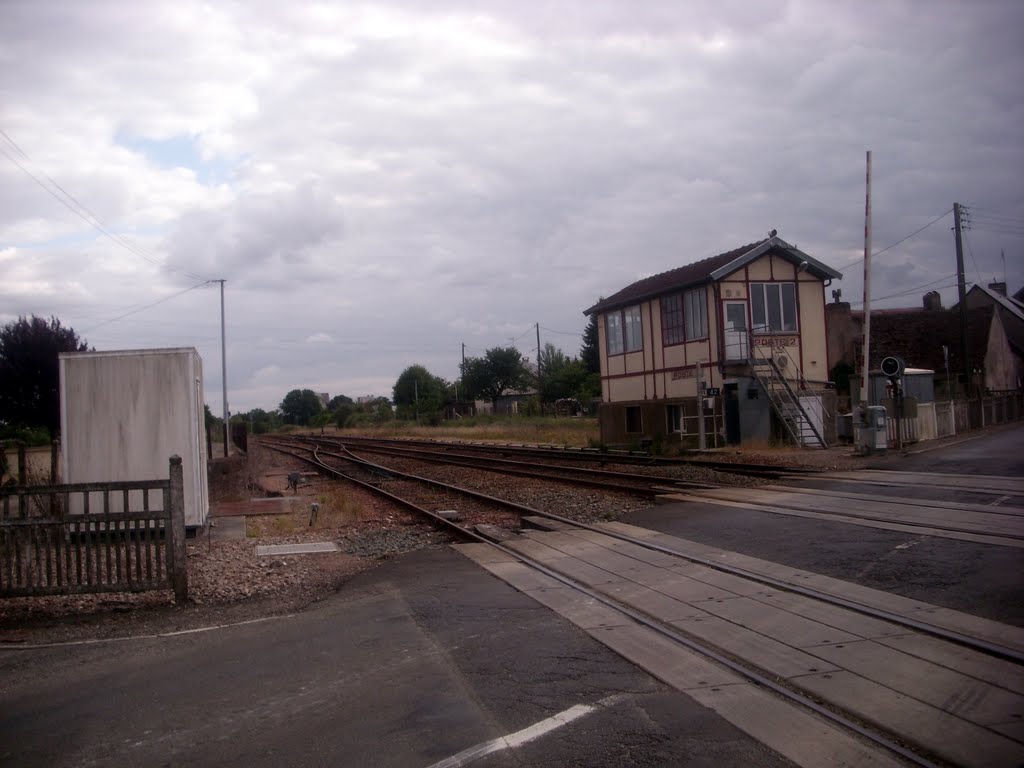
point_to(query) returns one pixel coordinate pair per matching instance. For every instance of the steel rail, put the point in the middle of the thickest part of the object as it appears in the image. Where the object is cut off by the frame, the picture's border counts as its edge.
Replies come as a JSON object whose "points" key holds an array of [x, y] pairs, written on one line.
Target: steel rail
{"points": [[437, 519], [870, 518], [469, 459], [593, 455], [511, 467], [967, 641], [521, 508], [878, 737]]}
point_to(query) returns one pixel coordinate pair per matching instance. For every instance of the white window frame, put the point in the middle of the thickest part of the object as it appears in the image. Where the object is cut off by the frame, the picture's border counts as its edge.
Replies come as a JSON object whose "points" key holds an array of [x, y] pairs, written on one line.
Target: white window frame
{"points": [[774, 301], [624, 331], [613, 333], [676, 426], [633, 329]]}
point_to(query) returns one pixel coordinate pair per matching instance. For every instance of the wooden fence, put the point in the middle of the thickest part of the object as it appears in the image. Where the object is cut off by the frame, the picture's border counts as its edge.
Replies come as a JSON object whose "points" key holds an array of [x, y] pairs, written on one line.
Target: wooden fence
{"points": [[94, 537]]}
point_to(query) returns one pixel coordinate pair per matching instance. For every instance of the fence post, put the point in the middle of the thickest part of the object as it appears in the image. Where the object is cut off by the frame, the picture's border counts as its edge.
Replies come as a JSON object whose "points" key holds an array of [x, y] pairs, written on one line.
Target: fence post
{"points": [[179, 572], [22, 464]]}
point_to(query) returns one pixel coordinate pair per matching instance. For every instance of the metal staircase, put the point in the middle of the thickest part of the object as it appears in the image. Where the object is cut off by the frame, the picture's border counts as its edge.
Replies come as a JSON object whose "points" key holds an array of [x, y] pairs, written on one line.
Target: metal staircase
{"points": [[785, 401]]}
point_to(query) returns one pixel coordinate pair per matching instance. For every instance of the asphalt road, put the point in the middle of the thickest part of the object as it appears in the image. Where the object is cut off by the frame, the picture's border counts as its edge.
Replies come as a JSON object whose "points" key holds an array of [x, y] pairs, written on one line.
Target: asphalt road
{"points": [[413, 662], [981, 579], [997, 452]]}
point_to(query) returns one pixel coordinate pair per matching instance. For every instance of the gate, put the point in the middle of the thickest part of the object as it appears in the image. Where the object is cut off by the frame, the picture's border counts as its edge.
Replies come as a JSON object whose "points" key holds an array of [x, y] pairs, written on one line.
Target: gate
{"points": [[126, 536]]}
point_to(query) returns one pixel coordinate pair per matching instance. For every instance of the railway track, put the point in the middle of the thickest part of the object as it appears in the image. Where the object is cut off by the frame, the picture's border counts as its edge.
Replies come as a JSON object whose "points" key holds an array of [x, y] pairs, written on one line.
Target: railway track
{"points": [[646, 484], [768, 499], [549, 455], [840, 707]]}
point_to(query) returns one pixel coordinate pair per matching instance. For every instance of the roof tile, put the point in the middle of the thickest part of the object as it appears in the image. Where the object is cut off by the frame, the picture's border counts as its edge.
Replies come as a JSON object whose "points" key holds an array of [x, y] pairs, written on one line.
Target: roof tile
{"points": [[680, 277]]}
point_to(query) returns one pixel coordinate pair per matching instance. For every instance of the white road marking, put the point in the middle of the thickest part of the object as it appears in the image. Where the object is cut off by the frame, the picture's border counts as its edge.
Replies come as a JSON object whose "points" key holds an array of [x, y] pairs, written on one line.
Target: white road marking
{"points": [[101, 640], [999, 501], [517, 739], [909, 544]]}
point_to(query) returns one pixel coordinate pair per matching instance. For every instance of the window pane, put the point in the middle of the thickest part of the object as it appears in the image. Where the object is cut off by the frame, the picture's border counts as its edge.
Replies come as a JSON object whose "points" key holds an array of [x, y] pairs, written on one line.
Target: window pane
{"points": [[789, 307], [696, 310], [613, 332], [671, 319], [634, 331], [774, 303], [757, 307], [674, 414]]}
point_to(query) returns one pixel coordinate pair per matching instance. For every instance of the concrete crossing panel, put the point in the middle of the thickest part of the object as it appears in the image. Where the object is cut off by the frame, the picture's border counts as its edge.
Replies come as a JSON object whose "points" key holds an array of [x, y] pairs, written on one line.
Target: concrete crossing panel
{"points": [[950, 737]]}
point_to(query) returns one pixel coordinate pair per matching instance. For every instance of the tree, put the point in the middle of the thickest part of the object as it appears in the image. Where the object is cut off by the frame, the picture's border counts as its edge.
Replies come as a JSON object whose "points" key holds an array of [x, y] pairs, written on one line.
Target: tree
{"points": [[590, 352], [300, 406], [337, 401], [259, 421], [552, 359], [564, 377], [29, 373], [382, 410], [419, 392], [499, 369]]}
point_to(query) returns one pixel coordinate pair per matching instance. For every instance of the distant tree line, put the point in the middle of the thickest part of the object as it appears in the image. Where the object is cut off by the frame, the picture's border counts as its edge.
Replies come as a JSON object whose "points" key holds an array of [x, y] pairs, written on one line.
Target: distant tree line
{"points": [[30, 395], [418, 394]]}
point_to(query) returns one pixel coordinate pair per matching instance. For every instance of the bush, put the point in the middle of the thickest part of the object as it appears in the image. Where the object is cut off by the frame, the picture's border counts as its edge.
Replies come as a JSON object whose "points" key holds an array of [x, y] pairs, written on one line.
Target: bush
{"points": [[31, 436]]}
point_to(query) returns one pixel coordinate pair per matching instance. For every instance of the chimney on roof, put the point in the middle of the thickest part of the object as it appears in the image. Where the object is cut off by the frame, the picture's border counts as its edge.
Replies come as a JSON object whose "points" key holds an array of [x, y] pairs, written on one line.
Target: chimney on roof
{"points": [[999, 288], [932, 300]]}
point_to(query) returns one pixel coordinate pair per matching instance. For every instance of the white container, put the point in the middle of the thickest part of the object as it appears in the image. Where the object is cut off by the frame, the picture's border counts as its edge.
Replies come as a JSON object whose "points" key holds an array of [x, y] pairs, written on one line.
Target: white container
{"points": [[125, 413]]}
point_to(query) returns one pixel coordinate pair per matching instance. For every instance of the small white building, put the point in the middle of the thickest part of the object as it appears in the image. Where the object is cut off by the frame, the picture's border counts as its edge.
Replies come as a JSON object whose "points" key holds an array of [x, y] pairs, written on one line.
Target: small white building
{"points": [[125, 413]]}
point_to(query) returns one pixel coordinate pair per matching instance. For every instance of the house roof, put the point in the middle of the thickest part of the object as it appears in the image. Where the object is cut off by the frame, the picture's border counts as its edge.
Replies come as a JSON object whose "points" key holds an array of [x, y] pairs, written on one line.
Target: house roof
{"points": [[918, 336], [1011, 305], [709, 270]]}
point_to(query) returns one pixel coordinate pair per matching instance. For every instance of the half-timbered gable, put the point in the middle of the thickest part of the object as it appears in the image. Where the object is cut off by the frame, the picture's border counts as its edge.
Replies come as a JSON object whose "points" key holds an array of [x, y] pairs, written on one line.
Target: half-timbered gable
{"points": [[729, 331]]}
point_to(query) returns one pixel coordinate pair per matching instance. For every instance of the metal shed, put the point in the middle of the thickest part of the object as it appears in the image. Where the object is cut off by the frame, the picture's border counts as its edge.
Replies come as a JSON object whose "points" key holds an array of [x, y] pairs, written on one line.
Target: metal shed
{"points": [[124, 413]]}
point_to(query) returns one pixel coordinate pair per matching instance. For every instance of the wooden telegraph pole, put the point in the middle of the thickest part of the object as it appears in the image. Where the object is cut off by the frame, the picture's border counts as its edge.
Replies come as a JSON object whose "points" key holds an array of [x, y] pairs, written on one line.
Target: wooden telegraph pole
{"points": [[961, 284]]}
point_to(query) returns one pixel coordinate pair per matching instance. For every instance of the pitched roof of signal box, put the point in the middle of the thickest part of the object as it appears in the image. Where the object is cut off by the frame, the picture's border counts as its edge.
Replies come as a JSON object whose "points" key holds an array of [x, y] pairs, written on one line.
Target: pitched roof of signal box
{"points": [[706, 270]]}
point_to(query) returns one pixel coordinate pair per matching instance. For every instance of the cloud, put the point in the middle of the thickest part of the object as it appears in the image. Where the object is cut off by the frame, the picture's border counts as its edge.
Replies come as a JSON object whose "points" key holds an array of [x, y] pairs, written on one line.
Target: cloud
{"points": [[397, 178]]}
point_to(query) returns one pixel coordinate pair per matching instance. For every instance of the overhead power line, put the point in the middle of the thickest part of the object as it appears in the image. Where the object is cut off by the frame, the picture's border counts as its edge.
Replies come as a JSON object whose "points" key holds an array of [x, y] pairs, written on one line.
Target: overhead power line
{"points": [[977, 269], [915, 289], [65, 198], [147, 306], [902, 240], [561, 333]]}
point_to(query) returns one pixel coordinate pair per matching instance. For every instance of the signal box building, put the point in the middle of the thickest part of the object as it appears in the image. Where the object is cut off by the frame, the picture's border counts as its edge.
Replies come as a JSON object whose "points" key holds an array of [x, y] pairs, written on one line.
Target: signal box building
{"points": [[738, 339], [125, 413]]}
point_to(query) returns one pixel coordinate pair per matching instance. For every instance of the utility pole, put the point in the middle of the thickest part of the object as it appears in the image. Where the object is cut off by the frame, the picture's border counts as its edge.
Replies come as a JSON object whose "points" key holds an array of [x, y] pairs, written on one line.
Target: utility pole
{"points": [[538, 357], [701, 435], [224, 367], [865, 391], [961, 285]]}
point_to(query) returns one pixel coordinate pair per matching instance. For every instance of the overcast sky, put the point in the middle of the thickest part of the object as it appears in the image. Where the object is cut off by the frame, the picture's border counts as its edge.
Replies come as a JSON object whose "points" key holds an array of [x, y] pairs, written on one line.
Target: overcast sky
{"points": [[381, 182]]}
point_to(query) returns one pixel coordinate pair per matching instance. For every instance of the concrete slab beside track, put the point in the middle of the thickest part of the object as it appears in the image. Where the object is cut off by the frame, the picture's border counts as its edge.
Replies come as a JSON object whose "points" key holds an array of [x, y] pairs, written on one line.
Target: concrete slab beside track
{"points": [[1002, 525], [949, 701]]}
